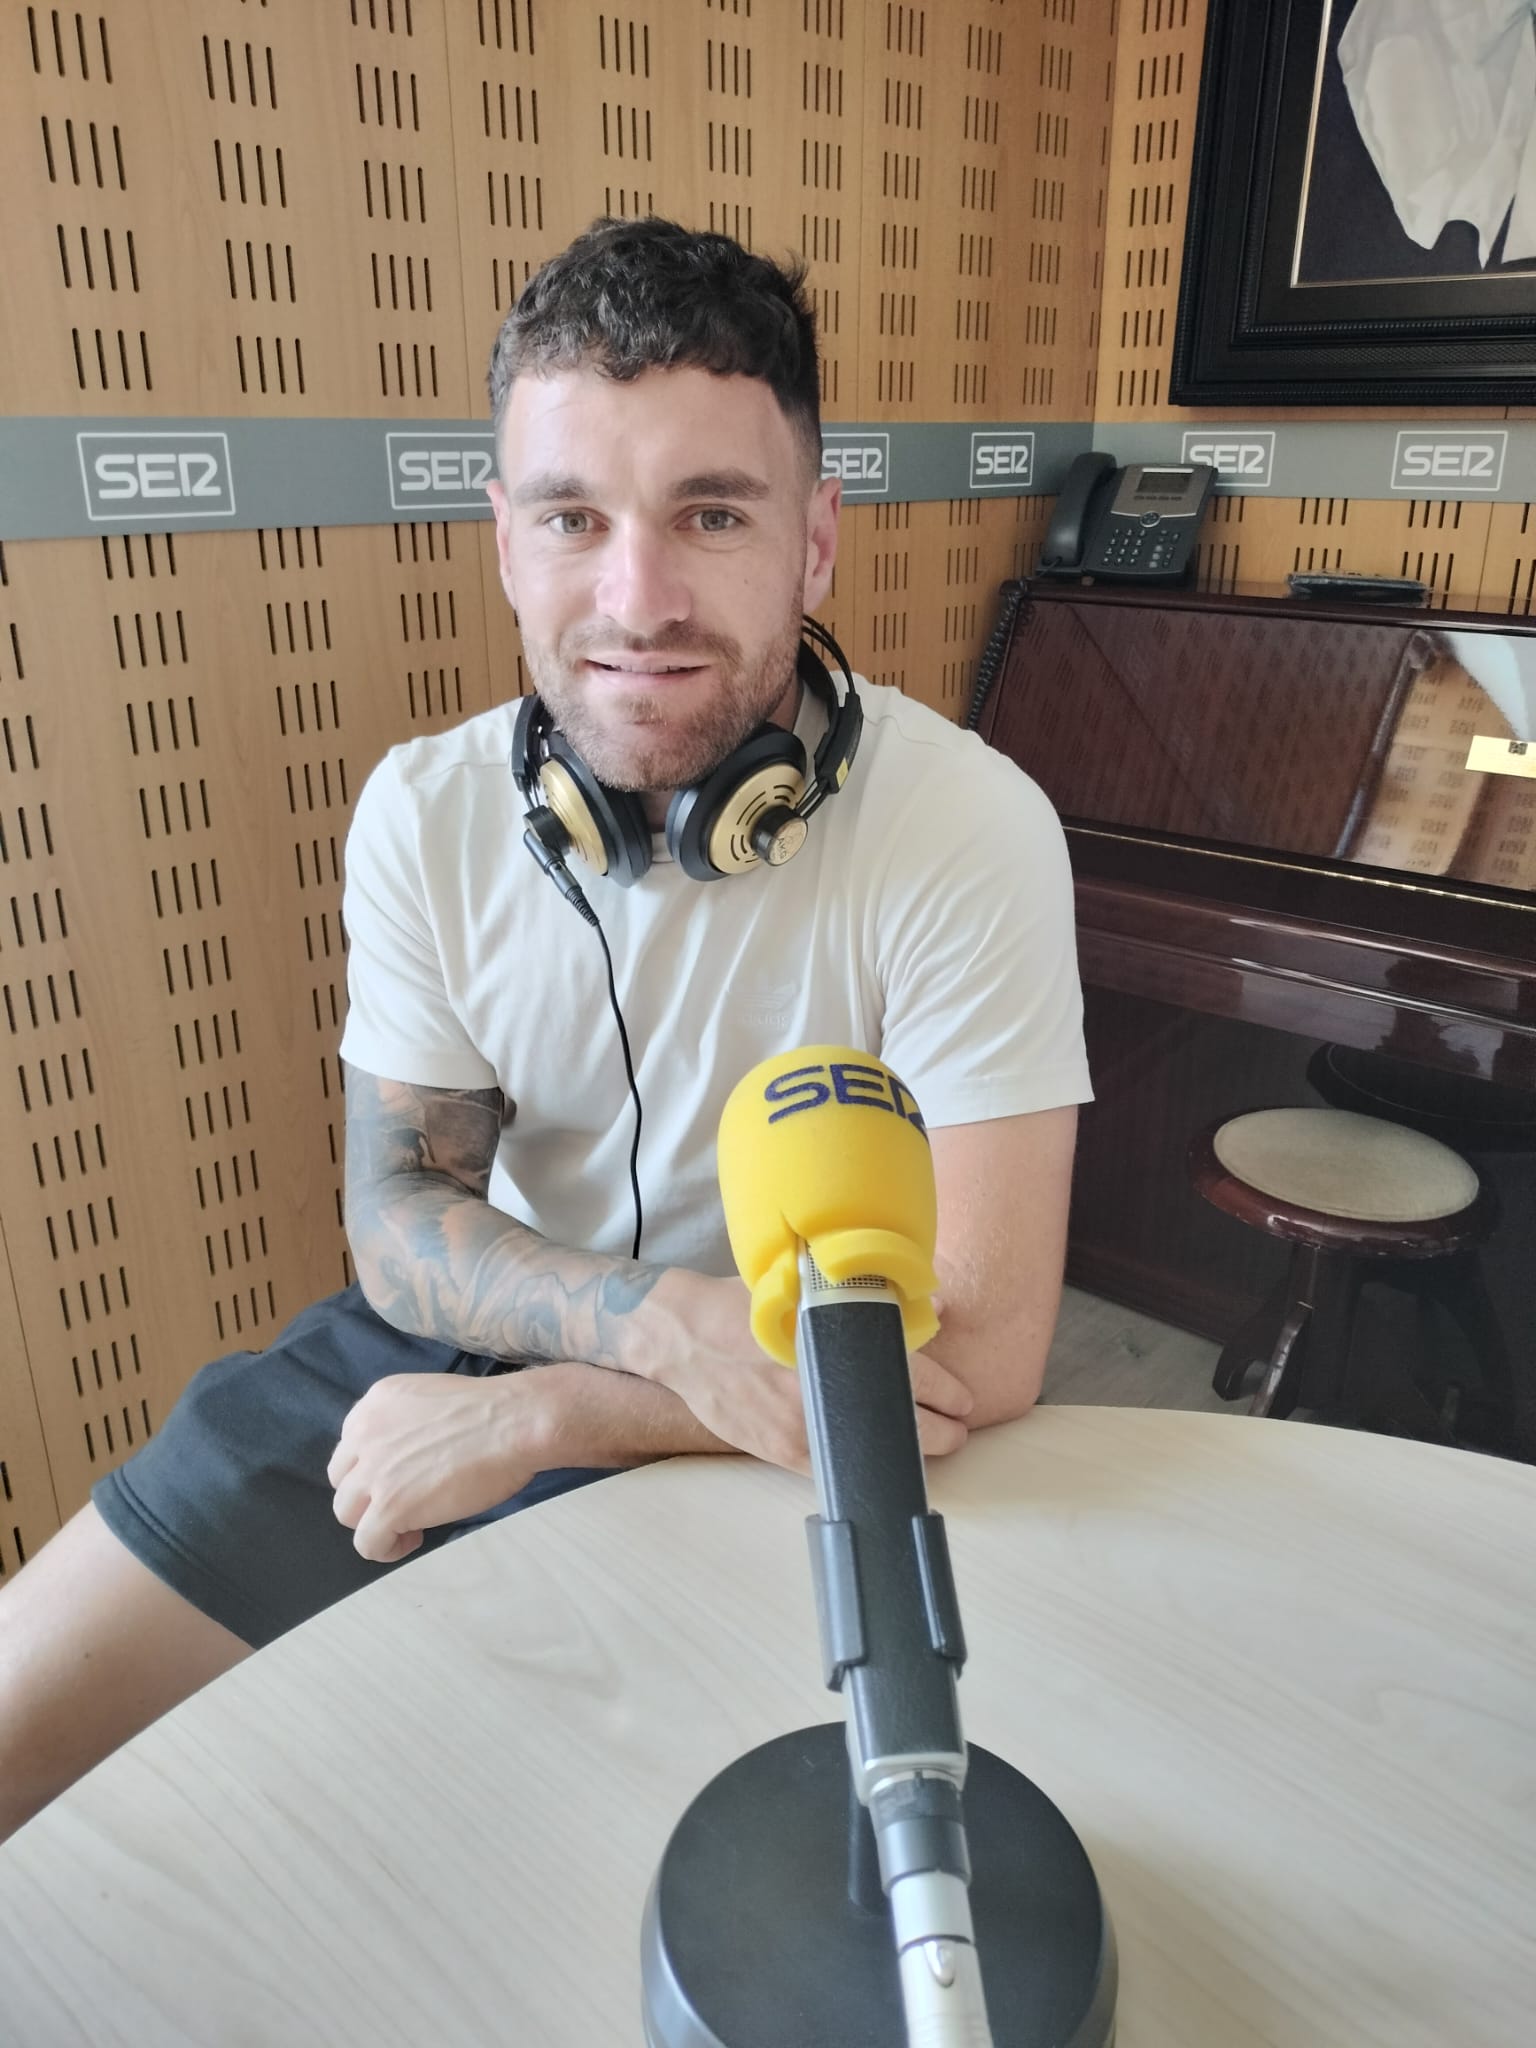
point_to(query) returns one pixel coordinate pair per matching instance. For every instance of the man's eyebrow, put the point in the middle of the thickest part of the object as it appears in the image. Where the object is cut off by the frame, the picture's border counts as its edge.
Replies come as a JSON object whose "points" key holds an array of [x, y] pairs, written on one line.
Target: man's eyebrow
{"points": [[550, 487], [562, 487], [722, 483]]}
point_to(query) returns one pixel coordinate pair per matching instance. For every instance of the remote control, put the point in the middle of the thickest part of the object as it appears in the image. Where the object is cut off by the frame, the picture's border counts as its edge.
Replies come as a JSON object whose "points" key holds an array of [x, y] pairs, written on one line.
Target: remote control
{"points": [[1404, 590]]}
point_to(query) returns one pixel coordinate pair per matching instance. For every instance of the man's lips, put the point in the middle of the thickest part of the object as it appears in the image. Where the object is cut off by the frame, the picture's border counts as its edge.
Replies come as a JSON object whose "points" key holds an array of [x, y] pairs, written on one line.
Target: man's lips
{"points": [[646, 667]]}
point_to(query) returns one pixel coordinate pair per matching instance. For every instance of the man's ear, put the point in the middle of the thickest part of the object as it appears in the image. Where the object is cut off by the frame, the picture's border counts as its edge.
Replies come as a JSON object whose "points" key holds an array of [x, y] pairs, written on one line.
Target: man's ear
{"points": [[496, 492], [821, 540]]}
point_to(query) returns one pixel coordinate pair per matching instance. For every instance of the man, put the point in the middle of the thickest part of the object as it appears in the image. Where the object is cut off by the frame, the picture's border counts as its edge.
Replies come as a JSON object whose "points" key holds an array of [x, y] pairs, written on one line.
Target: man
{"points": [[661, 527]]}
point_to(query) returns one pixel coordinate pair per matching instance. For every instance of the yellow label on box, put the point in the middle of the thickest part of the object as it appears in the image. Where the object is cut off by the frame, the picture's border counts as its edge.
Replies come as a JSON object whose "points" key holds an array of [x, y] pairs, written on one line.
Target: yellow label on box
{"points": [[1502, 757]]}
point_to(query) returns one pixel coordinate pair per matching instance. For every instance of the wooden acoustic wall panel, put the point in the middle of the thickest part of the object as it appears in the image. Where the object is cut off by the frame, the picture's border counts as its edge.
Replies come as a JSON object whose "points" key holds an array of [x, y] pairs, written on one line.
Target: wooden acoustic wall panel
{"points": [[983, 154], [506, 673], [229, 207], [28, 1511], [728, 117], [1157, 83], [98, 1257], [187, 722], [926, 594], [1254, 543], [1509, 565], [746, 122], [1057, 103]]}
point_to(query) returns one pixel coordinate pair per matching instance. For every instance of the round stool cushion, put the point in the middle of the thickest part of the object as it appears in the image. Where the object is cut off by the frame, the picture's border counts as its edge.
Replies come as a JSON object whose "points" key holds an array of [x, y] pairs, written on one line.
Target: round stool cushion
{"points": [[1346, 1165]]}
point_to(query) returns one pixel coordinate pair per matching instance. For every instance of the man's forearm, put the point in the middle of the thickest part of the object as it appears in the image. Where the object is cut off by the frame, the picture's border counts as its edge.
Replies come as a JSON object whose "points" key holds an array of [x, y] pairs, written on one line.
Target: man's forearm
{"points": [[597, 1417], [435, 1258], [442, 1263]]}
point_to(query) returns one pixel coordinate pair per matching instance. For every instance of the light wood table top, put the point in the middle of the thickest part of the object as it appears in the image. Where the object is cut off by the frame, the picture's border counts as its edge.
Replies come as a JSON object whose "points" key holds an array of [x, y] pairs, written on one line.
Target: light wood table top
{"points": [[1281, 1679]]}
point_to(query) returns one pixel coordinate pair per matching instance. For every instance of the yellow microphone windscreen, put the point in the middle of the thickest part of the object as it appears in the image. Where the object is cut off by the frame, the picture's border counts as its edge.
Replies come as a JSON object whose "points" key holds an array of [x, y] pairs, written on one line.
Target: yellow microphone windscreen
{"points": [[825, 1145]]}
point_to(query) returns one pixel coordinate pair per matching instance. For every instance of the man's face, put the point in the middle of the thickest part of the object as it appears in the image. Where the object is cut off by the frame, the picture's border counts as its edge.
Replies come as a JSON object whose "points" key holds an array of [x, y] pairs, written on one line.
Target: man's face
{"points": [[659, 540]]}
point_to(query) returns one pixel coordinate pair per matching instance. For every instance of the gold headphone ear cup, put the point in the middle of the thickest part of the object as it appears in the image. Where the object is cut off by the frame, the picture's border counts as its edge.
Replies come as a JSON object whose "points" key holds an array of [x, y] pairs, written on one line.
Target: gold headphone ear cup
{"points": [[607, 827], [709, 826]]}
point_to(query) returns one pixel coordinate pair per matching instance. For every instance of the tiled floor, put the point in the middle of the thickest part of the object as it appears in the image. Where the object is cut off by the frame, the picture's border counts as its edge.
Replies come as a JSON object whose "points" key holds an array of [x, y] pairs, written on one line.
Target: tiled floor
{"points": [[1105, 1353]]}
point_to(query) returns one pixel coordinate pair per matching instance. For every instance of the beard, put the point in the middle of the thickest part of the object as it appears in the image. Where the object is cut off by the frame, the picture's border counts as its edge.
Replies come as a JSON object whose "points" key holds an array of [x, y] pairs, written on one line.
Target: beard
{"points": [[669, 737]]}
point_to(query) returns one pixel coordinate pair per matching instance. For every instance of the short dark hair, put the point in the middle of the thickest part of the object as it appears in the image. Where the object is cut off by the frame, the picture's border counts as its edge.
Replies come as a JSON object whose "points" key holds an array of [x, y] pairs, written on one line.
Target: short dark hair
{"points": [[633, 295]]}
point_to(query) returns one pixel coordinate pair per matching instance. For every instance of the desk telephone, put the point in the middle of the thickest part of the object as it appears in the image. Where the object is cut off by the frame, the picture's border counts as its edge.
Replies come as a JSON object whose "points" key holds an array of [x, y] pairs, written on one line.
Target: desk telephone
{"points": [[1133, 525]]}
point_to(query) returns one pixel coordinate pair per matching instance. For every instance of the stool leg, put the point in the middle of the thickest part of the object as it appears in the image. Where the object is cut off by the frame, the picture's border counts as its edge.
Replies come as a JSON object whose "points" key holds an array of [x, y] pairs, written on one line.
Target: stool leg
{"points": [[1274, 1389], [1254, 1342], [1331, 1285], [1284, 1369]]}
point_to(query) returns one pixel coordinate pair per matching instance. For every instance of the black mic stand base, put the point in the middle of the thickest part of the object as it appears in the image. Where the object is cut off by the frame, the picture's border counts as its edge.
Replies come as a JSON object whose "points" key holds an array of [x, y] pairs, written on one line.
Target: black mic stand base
{"points": [[752, 1940]]}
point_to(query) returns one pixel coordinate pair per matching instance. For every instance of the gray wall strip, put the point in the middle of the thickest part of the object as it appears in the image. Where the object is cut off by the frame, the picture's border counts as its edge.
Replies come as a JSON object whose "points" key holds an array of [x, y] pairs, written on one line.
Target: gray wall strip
{"points": [[61, 478], [1347, 458]]}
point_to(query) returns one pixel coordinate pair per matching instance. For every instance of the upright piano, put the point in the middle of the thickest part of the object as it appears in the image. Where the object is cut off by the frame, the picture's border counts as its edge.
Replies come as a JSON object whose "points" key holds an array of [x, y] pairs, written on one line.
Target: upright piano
{"points": [[1294, 825]]}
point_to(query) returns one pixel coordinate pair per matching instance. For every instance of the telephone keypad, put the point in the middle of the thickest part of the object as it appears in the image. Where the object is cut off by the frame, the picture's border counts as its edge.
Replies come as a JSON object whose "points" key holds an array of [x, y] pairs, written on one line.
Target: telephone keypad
{"points": [[1144, 543]]}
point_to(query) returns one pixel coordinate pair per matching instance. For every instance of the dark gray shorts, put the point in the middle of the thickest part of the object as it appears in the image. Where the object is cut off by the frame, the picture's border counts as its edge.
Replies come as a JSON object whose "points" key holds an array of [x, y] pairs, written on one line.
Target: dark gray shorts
{"points": [[229, 1503]]}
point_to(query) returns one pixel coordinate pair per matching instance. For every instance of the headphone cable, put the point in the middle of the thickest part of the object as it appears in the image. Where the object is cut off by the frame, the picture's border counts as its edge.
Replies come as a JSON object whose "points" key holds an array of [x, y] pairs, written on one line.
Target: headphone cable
{"points": [[629, 1069]]}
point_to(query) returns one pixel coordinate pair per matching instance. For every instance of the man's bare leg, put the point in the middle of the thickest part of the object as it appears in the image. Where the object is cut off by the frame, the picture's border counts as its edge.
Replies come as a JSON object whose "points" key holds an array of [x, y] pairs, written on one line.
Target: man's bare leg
{"points": [[93, 1647]]}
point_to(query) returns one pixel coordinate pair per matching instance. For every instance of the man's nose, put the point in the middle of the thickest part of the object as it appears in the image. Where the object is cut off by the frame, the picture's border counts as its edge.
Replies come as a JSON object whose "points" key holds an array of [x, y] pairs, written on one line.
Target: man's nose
{"points": [[640, 585]]}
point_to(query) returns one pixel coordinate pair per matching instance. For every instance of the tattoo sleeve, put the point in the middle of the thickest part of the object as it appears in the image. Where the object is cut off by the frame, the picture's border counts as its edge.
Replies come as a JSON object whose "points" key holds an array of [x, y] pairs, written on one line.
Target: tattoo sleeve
{"points": [[436, 1259]]}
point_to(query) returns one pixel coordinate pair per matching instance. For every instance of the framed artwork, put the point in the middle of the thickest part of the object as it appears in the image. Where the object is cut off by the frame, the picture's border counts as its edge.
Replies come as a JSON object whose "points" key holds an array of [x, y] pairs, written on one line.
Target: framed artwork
{"points": [[1362, 212]]}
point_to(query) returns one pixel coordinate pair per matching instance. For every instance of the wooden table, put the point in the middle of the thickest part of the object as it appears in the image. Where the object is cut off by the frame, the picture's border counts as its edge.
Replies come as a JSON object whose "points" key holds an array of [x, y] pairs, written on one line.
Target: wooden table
{"points": [[1282, 1680]]}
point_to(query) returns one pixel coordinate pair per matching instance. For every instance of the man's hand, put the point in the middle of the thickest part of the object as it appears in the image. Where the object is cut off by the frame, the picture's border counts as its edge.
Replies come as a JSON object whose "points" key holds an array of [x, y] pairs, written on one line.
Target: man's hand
{"points": [[421, 1449], [752, 1402]]}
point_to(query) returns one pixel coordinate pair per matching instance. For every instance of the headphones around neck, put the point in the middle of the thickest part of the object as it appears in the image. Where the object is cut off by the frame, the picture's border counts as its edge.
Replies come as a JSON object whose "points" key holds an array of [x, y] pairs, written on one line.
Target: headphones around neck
{"points": [[752, 808]]}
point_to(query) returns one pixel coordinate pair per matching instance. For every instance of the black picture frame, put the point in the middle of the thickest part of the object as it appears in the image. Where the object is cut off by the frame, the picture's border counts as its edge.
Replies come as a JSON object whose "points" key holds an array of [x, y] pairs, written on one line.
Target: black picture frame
{"points": [[1256, 325]]}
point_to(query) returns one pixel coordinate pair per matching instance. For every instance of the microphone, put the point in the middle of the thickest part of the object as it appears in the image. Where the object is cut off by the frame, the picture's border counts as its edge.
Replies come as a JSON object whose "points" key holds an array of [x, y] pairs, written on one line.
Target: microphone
{"points": [[782, 1888], [827, 1182]]}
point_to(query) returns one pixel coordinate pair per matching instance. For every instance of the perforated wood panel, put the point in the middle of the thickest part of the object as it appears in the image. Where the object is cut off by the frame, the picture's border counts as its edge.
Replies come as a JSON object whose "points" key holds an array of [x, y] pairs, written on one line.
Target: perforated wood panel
{"points": [[985, 132], [186, 725], [927, 586], [229, 207], [1251, 543], [273, 207], [1471, 555]]}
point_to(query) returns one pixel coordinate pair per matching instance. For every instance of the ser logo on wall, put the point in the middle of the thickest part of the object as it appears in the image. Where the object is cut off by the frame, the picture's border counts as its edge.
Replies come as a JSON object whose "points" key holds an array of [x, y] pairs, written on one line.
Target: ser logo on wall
{"points": [[1243, 458], [861, 461], [1002, 462], [439, 472], [155, 475], [1424, 461]]}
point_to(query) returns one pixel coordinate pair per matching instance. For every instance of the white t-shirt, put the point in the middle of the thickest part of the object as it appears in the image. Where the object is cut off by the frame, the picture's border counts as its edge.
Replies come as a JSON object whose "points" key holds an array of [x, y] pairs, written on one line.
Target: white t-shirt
{"points": [[928, 919]]}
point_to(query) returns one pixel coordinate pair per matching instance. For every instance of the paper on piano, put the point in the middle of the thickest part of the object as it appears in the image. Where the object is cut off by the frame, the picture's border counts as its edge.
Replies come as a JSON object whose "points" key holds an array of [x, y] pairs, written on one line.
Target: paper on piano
{"points": [[1502, 757]]}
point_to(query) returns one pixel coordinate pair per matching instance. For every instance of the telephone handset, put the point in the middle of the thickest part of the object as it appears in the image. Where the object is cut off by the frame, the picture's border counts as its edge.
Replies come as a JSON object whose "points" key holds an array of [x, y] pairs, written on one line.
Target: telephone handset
{"points": [[1133, 525]]}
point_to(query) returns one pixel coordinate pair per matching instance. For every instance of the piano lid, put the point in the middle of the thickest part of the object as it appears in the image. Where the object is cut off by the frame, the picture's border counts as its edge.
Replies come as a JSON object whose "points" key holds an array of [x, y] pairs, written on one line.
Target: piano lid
{"points": [[1389, 744]]}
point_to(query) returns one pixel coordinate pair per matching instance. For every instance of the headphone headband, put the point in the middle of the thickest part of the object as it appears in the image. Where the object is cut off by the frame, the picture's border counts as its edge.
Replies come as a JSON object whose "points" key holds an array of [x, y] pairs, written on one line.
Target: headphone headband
{"points": [[845, 718]]}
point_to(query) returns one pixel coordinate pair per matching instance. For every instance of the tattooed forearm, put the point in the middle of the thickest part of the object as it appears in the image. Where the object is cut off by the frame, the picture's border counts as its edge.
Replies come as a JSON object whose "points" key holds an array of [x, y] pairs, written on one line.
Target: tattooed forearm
{"points": [[436, 1259]]}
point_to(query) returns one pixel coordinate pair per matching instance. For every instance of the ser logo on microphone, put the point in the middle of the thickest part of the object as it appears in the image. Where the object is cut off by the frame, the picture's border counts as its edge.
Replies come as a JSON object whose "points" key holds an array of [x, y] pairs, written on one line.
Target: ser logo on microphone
{"points": [[842, 1081]]}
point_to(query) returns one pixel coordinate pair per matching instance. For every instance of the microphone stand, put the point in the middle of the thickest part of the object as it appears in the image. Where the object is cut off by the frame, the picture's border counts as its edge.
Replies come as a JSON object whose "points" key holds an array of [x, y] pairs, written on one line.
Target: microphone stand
{"points": [[857, 1885]]}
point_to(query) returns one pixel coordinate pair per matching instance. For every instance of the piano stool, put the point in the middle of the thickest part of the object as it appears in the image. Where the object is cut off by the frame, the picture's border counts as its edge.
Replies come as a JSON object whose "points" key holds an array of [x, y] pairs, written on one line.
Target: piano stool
{"points": [[1365, 1204]]}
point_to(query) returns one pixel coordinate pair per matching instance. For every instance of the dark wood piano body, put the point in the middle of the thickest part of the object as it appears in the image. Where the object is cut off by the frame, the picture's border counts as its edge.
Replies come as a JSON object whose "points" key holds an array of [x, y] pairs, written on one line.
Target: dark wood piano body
{"points": [[1277, 844]]}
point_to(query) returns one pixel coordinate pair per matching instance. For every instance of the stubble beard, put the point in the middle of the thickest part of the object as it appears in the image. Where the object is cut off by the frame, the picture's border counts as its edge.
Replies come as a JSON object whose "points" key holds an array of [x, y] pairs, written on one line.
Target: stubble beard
{"points": [[656, 743]]}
